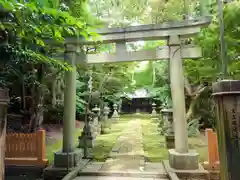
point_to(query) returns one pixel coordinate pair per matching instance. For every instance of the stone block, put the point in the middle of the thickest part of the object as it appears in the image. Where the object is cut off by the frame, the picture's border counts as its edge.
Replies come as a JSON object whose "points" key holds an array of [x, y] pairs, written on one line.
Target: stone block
{"points": [[90, 142], [64, 160], [183, 161], [170, 141], [56, 173]]}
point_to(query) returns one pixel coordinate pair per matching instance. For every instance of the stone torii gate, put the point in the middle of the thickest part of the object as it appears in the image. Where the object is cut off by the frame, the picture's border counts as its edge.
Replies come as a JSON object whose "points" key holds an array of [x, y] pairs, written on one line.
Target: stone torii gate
{"points": [[180, 157]]}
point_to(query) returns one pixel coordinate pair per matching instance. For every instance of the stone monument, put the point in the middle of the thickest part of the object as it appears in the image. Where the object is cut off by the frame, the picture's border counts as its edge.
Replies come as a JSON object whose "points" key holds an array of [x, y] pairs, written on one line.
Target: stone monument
{"points": [[226, 94]]}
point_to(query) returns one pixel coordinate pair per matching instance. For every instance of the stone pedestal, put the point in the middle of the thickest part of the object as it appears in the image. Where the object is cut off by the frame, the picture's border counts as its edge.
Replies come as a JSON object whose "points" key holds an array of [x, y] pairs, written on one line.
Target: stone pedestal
{"points": [[70, 160], [115, 115], [183, 161], [226, 95]]}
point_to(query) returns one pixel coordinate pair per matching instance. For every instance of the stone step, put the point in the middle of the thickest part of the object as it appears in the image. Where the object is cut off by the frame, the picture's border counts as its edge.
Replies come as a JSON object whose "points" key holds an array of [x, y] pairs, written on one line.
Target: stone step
{"points": [[148, 170], [115, 178], [133, 174]]}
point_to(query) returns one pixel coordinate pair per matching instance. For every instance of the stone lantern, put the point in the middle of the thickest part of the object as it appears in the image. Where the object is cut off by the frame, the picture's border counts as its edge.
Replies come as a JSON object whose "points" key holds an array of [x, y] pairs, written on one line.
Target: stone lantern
{"points": [[167, 115], [96, 126], [86, 140], [105, 122], [154, 112], [4, 99], [115, 115]]}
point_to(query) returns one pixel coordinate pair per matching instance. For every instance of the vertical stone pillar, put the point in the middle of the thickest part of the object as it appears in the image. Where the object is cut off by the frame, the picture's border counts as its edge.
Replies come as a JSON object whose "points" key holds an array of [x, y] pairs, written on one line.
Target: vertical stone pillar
{"points": [[69, 155], [115, 115], [69, 116], [226, 94], [180, 157], [178, 97], [4, 99]]}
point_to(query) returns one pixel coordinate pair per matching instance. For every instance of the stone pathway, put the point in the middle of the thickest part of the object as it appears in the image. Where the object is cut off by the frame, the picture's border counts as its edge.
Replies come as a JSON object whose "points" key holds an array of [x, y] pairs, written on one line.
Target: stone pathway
{"points": [[127, 154], [126, 161]]}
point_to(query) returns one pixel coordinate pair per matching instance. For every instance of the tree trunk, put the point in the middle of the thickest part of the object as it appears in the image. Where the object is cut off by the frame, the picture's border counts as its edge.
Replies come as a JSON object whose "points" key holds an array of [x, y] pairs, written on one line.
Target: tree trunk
{"points": [[191, 108], [194, 98], [54, 99], [38, 100]]}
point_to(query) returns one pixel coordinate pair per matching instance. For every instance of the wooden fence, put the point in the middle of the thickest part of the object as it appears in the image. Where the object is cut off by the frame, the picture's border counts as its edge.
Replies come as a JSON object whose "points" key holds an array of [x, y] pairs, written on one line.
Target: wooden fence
{"points": [[213, 156], [25, 149]]}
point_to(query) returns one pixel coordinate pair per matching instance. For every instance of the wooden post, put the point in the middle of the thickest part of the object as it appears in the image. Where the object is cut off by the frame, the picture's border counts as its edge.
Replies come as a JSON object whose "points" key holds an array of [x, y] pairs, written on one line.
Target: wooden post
{"points": [[4, 99], [41, 144], [213, 158]]}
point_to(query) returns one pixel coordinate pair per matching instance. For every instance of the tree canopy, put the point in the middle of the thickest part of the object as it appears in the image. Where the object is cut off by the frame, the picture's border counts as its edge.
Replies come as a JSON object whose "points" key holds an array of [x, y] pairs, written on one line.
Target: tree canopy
{"points": [[30, 69]]}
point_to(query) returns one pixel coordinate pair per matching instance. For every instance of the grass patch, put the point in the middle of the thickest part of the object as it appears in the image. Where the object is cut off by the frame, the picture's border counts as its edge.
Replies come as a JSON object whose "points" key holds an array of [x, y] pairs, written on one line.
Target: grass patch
{"points": [[51, 149], [200, 146], [105, 142], [154, 144]]}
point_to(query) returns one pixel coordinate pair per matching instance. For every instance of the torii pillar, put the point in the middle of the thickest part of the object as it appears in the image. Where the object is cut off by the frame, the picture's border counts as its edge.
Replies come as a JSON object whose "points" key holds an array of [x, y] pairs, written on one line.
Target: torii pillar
{"points": [[69, 156], [180, 157]]}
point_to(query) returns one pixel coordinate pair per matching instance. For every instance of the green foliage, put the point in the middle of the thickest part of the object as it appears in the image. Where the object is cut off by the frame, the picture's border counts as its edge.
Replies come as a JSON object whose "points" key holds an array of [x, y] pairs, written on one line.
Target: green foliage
{"points": [[206, 70], [109, 82], [33, 27]]}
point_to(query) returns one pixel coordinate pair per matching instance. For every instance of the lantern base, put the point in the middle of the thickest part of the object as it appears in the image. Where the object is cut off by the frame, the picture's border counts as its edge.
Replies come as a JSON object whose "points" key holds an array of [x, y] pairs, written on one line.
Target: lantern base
{"points": [[183, 161], [170, 141]]}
